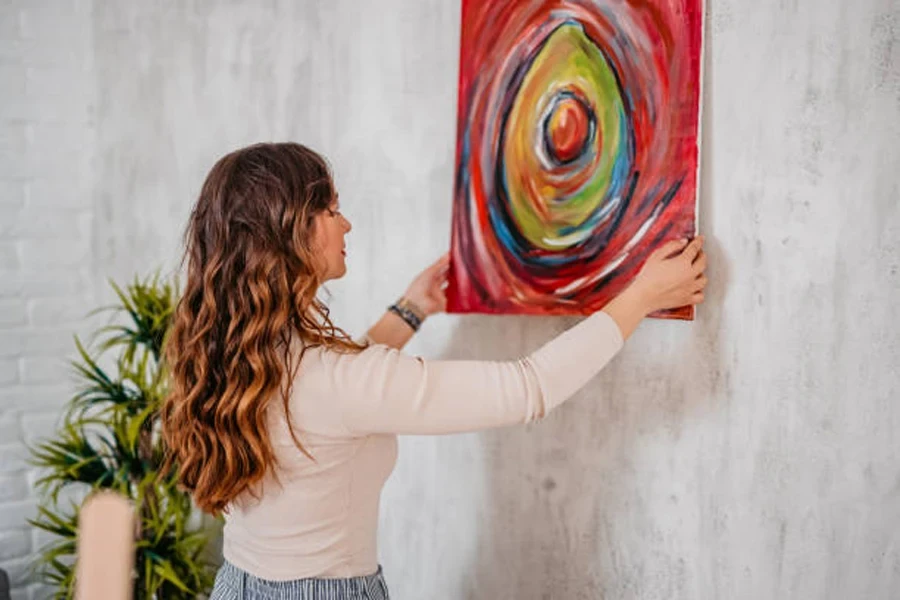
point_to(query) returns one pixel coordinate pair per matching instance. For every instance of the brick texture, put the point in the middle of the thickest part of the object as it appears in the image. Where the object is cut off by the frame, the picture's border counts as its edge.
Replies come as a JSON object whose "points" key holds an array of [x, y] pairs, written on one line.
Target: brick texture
{"points": [[46, 217]]}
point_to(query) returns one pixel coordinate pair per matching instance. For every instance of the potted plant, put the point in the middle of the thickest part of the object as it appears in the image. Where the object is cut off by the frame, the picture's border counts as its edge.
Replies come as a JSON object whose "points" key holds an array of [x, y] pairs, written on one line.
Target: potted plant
{"points": [[109, 439]]}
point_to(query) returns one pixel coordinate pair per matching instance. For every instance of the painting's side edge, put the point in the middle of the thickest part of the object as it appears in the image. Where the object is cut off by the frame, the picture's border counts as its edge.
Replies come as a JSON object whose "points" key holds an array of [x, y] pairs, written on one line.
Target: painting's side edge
{"points": [[454, 304], [701, 83]]}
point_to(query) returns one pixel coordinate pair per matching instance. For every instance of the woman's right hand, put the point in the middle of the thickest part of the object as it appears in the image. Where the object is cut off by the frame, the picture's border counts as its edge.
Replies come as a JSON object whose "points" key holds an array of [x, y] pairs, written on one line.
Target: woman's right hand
{"points": [[673, 276]]}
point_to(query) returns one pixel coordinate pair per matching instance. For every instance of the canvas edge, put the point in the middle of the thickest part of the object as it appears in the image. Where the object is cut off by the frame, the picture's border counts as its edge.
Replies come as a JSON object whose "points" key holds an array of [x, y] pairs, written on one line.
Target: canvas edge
{"points": [[701, 87], [701, 84], [454, 306]]}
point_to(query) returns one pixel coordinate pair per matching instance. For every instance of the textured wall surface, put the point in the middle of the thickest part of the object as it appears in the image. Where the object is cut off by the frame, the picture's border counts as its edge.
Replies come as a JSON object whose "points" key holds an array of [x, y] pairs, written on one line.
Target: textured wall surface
{"points": [[47, 273], [750, 454]]}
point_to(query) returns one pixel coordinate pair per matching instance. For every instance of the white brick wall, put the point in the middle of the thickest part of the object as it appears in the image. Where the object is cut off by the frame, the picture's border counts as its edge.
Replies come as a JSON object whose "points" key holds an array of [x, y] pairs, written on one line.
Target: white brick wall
{"points": [[46, 218]]}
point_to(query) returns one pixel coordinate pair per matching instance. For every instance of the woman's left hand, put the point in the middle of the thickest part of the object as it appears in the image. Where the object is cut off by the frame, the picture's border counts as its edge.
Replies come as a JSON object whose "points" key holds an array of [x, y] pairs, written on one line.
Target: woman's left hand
{"points": [[427, 289]]}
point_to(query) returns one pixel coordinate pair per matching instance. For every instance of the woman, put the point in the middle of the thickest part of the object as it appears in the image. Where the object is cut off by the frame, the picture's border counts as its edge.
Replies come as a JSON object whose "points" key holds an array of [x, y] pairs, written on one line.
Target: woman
{"points": [[287, 425]]}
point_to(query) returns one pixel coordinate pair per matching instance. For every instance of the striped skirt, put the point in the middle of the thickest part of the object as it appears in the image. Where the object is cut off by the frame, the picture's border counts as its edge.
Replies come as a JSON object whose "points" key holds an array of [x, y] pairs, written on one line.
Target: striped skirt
{"points": [[233, 583]]}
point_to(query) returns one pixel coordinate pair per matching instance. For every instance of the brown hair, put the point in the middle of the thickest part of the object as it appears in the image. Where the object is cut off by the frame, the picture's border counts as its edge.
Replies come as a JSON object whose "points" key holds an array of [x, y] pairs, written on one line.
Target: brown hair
{"points": [[250, 290]]}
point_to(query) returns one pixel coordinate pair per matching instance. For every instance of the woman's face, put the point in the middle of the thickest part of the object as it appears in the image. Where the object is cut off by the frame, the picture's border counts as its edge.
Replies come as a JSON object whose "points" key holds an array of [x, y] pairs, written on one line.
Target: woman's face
{"points": [[330, 227]]}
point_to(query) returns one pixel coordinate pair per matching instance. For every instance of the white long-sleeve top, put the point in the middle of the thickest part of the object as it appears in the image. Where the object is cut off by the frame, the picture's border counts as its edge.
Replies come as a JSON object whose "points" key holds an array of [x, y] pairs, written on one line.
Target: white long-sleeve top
{"points": [[319, 518]]}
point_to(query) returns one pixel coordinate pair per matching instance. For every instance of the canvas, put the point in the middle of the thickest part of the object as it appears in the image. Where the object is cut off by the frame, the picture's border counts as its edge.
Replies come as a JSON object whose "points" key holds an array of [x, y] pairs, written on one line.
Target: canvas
{"points": [[577, 149]]}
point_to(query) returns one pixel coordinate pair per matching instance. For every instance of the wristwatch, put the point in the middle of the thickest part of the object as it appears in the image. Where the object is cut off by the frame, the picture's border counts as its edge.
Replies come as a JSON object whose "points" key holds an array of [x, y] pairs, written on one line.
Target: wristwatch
{"points": [[409, 312]]}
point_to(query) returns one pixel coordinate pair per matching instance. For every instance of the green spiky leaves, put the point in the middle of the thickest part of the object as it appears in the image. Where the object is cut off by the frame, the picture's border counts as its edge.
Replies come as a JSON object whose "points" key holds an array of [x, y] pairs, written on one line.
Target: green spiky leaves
{"points": [[109, 438]]}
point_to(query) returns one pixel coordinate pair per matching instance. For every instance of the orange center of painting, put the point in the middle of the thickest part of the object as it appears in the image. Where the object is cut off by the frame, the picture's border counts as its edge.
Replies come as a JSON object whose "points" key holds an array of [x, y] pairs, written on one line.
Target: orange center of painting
{"points": [[568, 129]]}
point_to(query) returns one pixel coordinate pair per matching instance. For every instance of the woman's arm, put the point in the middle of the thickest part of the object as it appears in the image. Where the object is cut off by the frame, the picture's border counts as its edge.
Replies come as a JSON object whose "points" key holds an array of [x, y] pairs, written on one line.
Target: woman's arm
{"points": [[391, 331], [381, 390], [426, 297]]}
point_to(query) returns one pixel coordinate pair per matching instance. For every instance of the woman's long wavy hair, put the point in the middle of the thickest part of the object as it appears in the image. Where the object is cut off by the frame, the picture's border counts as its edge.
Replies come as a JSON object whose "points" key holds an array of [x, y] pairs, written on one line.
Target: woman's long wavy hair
{"points": [[250, 292]]}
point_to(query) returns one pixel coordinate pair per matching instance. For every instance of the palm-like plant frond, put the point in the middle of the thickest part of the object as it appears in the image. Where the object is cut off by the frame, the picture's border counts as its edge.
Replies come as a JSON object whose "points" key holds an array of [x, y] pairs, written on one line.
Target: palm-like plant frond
{"points": [[109, 438], [149, 305], [72, 458]]}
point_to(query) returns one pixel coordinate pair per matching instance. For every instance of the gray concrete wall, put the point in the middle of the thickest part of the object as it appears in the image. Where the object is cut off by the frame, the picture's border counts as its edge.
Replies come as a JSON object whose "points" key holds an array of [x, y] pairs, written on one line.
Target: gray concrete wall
{"points": [[750, 454]]}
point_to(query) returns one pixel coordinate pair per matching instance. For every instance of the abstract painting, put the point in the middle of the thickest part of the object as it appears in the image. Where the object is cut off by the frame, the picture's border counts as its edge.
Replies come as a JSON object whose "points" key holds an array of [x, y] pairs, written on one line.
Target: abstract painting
{"points": [[577, 149]]}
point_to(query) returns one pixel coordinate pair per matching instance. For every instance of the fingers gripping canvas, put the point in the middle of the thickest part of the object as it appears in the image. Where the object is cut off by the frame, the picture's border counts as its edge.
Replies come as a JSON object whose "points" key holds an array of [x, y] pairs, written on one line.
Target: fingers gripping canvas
{"points": [[577, 149]]}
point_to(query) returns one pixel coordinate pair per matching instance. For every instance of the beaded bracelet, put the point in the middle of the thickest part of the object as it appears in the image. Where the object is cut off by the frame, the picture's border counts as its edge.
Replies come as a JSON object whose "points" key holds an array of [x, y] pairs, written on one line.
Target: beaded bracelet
{"points": [[407, 311]]}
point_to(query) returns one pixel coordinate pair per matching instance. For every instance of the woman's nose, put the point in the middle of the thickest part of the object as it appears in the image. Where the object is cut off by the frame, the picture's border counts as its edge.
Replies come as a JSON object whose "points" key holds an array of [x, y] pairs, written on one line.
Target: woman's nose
{"points": [[347, 225]]}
